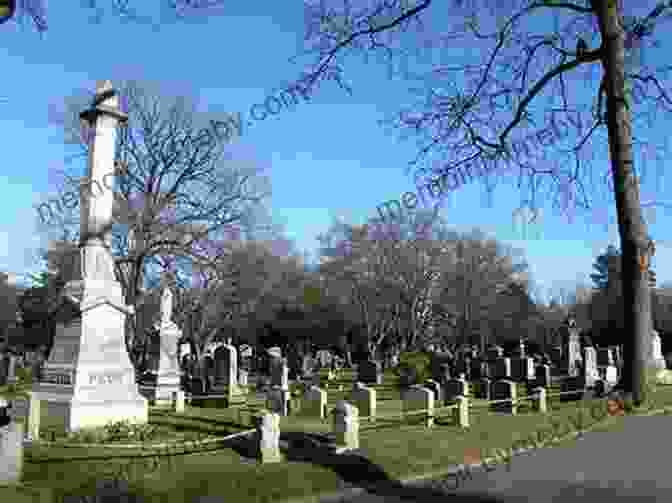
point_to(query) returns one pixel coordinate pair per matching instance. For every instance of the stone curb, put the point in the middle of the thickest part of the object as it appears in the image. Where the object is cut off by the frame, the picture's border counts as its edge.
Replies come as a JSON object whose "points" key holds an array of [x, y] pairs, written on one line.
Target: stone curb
{"points": [[138, 445], [493, 461], [457, 469]]}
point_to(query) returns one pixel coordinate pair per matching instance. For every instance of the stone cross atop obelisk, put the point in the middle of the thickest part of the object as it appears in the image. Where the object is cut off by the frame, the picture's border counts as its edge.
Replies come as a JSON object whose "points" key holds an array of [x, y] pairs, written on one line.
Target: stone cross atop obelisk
{"points": [[96, 211]]}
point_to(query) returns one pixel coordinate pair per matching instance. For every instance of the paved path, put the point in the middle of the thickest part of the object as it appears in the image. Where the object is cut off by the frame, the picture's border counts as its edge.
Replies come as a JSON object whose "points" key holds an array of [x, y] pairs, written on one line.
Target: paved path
{"points": [[632, 464]]}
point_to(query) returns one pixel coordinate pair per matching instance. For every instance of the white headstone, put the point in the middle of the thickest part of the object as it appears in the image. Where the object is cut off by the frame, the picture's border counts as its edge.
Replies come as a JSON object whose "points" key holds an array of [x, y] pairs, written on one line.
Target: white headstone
{"points": [[656, 359], [268, 438], [590, 366], [611, 374], [346, 425]]}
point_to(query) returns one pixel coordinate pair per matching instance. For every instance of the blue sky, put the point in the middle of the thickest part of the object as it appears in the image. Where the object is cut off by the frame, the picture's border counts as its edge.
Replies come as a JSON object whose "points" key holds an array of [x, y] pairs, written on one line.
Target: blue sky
{"points": [[327, 157]]}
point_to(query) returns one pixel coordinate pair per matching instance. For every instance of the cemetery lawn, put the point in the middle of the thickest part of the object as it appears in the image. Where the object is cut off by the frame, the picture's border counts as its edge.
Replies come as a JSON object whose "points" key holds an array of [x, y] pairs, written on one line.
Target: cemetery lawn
{"points": [[402, 452], [660, 399]]}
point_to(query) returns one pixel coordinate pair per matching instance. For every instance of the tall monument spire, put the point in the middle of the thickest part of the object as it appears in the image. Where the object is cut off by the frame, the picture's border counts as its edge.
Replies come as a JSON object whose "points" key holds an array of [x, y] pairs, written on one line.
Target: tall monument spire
{"points": [[103, 118], [89, 379]]}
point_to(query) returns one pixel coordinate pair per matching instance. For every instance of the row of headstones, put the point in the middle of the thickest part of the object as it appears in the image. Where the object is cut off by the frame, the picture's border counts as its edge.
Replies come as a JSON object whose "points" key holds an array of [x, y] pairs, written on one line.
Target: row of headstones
{"points": [[416, 397], [8, 367], [421, 399], [516, 369], [598, 363]]}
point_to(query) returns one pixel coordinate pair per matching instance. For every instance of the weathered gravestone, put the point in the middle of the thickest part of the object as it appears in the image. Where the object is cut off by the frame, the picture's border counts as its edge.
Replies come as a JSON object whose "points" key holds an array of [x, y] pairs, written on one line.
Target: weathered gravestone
{"points": [[461, 365], [324, 357], [226, 374], [268, 438], [4, 368], [11, 452], [611, 375], [522, 369], [346, 426], [456, 387], [364, 398], [307, 365], [242, 377], [656, 359], [12, 376], [543, 375], [206, 368], [590, 366], [443, 374], [476, 369], [502, 368], [314, 403], [440, 366], [370, 372], [278, 400], [494, 353], [280, 373], [394, 360], [605, 357], [419, 399], [226, 366], [436, 388], [573, 388], [504, 391], [482, 388]]}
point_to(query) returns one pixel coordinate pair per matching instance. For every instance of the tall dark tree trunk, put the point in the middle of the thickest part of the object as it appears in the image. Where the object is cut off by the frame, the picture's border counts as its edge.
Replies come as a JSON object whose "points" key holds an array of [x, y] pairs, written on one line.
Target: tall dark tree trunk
{"points": [[631, 225]]}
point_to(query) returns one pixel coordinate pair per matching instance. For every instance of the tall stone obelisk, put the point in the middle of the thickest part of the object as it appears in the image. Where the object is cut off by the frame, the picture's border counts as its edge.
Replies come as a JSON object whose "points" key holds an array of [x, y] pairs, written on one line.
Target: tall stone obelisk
{"points": [[89, 379]]}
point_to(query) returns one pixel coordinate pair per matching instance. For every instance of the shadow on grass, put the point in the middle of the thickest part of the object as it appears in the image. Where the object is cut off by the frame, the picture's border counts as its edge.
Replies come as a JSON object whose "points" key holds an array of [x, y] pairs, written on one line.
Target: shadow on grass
{"points": [[352, 468]]}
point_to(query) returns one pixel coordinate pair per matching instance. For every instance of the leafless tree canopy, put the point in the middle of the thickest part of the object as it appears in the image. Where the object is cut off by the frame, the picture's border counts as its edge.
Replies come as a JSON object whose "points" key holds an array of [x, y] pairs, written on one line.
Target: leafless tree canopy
{"points": [[514, 111], [179, 202], [35, 11]]}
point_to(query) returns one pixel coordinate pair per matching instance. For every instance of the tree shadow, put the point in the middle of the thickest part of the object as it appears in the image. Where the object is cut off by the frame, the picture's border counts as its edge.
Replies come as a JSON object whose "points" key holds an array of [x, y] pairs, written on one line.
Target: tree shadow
{"points": [[353, 468]]}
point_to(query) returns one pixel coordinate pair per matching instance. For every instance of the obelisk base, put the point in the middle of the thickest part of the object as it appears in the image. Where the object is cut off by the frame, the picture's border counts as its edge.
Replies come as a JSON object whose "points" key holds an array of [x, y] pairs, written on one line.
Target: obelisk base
{"points": [[89, 380], [166, 385]]}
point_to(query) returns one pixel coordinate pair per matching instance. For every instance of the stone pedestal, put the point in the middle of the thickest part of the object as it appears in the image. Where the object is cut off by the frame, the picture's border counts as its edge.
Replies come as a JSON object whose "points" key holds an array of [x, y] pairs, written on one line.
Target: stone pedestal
{"points": [[168, 377], [572, 360], [88, 379]]}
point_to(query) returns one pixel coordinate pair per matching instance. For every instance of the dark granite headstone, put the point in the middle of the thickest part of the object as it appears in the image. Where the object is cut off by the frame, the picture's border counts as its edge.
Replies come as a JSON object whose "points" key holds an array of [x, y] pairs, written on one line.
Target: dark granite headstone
{"points": [[370, 372]]}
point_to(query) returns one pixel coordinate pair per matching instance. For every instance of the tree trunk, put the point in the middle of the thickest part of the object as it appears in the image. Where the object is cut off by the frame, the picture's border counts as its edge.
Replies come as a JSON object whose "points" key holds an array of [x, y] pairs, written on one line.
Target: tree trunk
{"points": [[631, 226]]}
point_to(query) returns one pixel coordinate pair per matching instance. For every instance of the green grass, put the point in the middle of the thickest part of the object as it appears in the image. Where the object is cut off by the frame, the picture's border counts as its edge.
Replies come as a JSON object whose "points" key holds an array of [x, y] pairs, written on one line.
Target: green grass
{"points": [[402, 451]]}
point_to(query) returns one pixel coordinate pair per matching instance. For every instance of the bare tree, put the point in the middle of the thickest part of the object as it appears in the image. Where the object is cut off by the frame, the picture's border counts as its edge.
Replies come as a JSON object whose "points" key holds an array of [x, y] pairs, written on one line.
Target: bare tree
{"points": [[495, 115], [178, 201], [476, 283], [179, 10], [393, 272]]}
